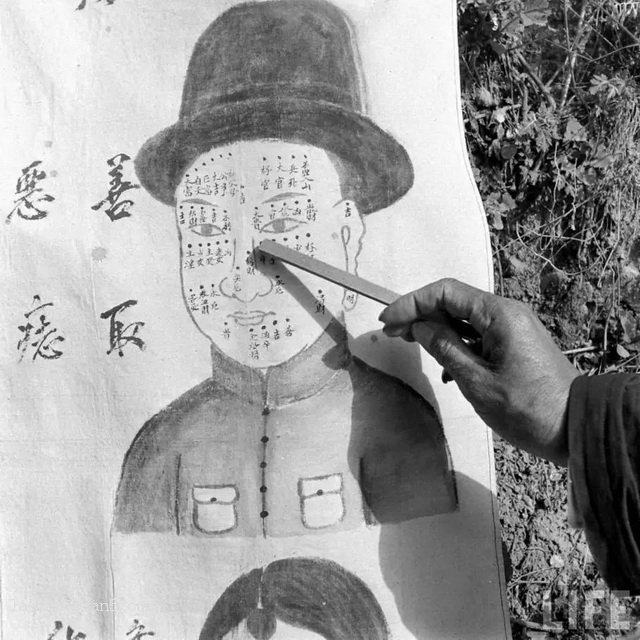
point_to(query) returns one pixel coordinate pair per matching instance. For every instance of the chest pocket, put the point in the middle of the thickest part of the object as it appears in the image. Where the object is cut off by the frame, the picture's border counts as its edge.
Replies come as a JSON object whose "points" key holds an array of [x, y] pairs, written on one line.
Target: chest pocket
{"points": [[215, 508], [321, 501]]}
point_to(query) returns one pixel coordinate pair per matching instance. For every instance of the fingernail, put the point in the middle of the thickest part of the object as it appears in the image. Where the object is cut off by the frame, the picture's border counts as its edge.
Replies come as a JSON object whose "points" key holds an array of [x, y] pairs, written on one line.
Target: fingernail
{"points": [[393, 332]]}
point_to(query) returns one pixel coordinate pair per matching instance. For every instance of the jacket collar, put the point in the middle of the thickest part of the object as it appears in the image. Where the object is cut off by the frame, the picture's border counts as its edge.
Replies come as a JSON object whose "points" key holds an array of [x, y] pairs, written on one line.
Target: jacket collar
{"points": [[297, 378]]}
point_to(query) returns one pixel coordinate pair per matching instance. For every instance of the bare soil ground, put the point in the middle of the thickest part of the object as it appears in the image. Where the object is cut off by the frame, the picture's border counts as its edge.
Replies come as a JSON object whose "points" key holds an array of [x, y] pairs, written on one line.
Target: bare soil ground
{"points": [[554, 588]]}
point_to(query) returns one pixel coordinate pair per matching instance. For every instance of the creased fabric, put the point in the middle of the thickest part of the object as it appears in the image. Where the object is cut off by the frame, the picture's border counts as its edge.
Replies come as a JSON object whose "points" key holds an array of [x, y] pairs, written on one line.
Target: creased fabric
{"points": [[604, 462]]}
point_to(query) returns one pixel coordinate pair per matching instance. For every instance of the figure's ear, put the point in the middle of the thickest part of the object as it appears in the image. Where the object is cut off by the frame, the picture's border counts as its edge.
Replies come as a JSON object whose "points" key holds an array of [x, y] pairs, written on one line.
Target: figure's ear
{"points": [[351, 234]]}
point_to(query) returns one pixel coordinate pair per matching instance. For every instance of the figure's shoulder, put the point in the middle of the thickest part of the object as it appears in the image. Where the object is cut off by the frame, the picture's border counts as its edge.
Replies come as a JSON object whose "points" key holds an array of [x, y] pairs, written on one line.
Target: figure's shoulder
{"points": [[370, 380], [378, 393], [181, 415]]}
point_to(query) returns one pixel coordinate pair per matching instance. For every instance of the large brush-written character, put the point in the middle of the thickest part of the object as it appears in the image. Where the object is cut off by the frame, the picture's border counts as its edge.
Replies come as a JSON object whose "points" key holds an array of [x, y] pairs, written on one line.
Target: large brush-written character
{"points": [[291, 434]]}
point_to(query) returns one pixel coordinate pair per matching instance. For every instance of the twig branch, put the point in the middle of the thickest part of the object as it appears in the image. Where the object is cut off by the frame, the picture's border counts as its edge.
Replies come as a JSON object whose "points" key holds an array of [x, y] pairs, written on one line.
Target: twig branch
{"points": [[534, 626], [573, 47], [536, 80]]}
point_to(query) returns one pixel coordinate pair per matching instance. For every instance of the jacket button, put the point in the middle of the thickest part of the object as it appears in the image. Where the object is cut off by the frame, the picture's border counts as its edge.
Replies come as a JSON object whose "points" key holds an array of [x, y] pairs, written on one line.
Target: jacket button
{"points": [[264, 514], [263, 465], [263, 489], [264, 439]]}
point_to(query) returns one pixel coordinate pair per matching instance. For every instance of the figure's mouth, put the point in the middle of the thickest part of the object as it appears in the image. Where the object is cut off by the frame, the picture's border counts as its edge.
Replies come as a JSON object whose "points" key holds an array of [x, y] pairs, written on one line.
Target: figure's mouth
{"points": [[248, 318]]}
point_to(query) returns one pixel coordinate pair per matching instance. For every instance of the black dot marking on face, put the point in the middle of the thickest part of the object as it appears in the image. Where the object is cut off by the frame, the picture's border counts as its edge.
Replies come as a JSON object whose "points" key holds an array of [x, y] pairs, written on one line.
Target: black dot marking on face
{"points": [[256, 208], [196, 169], [230, 154], [186, 175], [286, 319], [319, 290], [202, 286], [248, 253], [297, 237], [273, 206], [237, 268], [199, 244], [188, 246], [204, 164], [275, 322], [308, 235], [220, 155], [250, 330], [226, 323], [264, 159], [208, 244], [226, 242], [295, 202], [285, 239], [217, 241], [190, 290], [263, 327], [308, 199], [279, 157]]}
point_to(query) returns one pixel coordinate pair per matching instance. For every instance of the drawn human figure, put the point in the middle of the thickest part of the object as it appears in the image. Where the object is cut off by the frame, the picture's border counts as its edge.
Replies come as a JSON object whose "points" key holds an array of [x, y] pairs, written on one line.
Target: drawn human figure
{"points": [[301, 598], [291, 434]]}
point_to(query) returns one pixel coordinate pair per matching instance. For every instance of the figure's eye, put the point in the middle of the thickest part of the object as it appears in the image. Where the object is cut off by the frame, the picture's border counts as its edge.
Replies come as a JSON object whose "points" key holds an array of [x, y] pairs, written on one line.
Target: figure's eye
{"points": [[206, 229], [281, 225]]}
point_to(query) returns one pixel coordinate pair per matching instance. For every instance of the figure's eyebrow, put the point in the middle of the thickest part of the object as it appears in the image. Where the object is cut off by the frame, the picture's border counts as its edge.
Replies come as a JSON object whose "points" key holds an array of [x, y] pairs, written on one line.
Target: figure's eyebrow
{"points": [[199, 201], [283, 196]]}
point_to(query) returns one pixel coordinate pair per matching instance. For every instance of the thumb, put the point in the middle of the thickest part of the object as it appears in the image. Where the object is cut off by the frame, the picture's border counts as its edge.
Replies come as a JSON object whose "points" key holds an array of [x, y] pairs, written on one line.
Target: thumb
{"points": [[445, 345]]}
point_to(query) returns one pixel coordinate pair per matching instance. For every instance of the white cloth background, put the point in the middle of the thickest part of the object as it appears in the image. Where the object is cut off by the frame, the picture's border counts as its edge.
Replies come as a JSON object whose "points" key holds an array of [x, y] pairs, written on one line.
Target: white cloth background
{"points": [[81, 86]]}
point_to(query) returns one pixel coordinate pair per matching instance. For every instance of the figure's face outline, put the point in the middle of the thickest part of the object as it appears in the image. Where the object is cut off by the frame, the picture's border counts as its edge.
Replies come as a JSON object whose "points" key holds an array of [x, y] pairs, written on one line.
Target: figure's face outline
{"points": [[229, 200], [283, 631]]}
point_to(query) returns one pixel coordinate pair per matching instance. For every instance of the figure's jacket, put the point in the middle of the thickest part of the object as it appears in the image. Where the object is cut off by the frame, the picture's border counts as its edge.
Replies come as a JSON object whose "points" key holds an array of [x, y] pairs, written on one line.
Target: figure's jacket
{"points": [[322, 442]]}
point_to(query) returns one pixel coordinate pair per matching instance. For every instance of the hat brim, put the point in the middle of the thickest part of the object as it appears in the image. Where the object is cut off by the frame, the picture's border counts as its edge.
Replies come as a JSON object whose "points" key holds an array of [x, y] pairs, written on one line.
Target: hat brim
{"points": [[380, 165]]}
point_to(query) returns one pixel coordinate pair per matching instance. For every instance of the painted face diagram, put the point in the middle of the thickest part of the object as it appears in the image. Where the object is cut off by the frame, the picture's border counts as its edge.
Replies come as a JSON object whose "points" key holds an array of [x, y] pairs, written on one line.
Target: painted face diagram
{"points": [[250, 306]]}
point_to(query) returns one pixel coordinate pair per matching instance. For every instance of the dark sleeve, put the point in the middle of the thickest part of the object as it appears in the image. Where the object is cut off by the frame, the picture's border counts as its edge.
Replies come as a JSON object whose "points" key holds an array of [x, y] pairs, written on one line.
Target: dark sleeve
{"points": [[146, 496], [604, 463]]}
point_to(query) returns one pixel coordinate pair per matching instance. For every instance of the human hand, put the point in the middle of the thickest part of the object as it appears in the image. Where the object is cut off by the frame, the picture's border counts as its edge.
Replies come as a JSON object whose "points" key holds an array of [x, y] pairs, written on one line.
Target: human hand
{"points": [[519, 383]]}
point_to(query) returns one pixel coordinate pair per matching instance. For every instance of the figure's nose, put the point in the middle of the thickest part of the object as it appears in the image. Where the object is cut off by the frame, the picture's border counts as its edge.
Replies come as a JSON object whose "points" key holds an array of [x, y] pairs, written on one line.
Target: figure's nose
{"points": [[245, 282]]}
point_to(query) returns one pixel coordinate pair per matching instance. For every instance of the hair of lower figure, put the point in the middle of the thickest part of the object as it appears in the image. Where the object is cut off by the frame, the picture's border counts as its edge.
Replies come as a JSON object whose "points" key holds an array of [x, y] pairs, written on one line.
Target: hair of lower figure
{"points": [[309, 593]]}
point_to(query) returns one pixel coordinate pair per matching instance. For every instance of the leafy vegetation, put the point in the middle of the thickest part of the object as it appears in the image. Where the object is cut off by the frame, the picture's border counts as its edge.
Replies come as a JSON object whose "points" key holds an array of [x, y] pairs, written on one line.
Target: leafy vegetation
{"points": [[551, 105]]}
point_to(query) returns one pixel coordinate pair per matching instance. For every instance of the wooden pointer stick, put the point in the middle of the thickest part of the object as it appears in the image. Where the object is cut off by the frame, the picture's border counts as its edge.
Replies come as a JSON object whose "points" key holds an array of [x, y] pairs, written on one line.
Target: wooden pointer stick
{"points": [[354, 283], [326, 271]]}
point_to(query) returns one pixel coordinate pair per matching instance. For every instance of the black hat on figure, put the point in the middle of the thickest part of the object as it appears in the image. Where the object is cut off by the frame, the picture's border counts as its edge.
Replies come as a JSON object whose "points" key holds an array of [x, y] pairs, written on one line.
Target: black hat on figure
{"points": [[286, 70]]}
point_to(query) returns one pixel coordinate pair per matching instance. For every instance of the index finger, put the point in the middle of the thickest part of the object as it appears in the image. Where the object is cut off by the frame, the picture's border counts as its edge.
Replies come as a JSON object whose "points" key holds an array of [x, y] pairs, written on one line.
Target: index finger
{"points": [[455, 298]]}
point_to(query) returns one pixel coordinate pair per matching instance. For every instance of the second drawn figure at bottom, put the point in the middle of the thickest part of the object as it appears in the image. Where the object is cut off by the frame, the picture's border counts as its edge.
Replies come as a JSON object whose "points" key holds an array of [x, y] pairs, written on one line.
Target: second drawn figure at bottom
{"points": [[296, 599]]}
